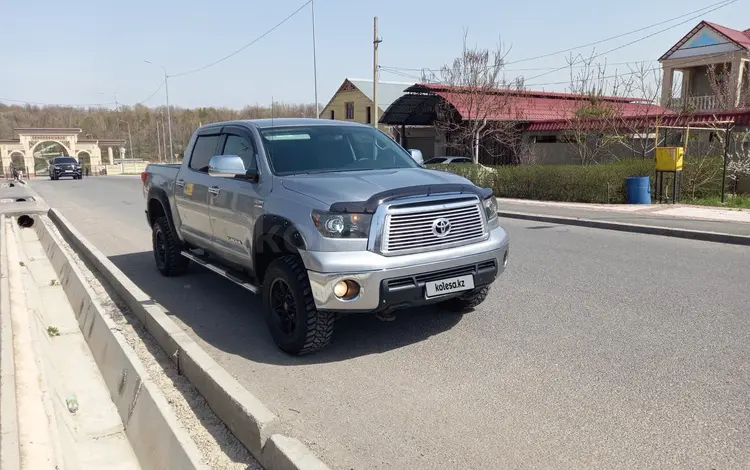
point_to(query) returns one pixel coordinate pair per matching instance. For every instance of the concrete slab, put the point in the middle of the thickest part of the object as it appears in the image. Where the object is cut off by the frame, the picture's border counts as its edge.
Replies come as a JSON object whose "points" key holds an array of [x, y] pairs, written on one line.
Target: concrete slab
{"points": [[157, 438], [68, 370]]}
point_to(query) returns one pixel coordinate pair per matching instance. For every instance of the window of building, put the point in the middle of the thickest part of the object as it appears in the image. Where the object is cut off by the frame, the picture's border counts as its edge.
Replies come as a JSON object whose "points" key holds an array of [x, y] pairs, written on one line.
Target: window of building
{"points": [[350, 110], [333, 115], [545, 139], [369, 115], [203, 150]]}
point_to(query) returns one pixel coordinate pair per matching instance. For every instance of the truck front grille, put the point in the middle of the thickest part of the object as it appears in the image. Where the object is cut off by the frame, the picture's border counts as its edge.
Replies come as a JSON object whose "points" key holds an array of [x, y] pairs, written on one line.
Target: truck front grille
{"points": [[433, 227]]}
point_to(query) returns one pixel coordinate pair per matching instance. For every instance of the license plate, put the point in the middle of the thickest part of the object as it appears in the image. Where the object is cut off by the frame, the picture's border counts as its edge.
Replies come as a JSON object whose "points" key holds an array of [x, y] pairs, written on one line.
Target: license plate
{"points": [[449, 286]]}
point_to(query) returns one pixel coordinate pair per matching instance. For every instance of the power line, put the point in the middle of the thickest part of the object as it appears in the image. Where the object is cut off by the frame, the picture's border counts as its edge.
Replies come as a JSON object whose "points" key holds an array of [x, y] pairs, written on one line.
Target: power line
{"points": [[723, 3], [710, 9], [637, 40], [154, 93], [246, 45]]}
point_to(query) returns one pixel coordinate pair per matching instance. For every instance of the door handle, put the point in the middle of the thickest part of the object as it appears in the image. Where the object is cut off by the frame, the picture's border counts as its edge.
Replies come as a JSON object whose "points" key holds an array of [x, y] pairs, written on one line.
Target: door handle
{"points": [[180, 183], [214, 190]]}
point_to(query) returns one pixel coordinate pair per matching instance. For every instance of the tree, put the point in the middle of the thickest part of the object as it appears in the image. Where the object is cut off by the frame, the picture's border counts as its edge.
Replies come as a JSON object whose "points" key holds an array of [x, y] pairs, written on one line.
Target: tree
{"points": [[479, 115], [104, 123], [591, 122]]}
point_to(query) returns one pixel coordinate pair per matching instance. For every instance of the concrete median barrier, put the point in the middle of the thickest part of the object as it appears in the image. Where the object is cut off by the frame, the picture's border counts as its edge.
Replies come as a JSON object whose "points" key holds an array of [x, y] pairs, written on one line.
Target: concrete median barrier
{"points": [[9, 445], [254, 425], [155, 434]]}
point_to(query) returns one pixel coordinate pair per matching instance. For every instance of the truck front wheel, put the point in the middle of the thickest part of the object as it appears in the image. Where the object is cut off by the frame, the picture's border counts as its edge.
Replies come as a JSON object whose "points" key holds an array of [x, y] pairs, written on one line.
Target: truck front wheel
{"points": [[296, 326], [467, 301], [167, 249]]}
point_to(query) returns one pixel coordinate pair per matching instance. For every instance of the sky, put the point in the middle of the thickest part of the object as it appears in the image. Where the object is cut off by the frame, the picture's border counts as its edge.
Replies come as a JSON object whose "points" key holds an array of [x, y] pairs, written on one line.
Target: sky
{"points": [[84, 52]]}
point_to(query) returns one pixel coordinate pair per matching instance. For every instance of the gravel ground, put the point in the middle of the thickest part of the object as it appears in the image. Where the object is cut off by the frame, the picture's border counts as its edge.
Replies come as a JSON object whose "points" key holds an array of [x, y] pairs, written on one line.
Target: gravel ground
{"points": [[219, 448]]}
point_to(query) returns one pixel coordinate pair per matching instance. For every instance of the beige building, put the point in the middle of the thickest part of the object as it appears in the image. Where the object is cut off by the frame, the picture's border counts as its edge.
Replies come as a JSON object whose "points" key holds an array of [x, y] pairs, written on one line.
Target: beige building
{"points": [[707, 70], [353, 101]]}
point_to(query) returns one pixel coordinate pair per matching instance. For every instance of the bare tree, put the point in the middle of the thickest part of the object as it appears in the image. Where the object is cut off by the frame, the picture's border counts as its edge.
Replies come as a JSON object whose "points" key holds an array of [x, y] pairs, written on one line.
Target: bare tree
{"points": [[725, 88], [592, 121], [478, 116], [636, 131]]}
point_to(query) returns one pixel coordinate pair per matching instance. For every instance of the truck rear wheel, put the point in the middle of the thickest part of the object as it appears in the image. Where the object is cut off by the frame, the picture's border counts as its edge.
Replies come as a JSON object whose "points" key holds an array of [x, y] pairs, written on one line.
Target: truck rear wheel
{"points": [[167, 249], [467, 301], [296, 326]]}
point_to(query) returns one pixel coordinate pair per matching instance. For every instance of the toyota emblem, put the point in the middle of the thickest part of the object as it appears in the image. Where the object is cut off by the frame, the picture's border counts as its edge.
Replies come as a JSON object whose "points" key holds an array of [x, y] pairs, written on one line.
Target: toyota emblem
{"points": [[441, 227]]}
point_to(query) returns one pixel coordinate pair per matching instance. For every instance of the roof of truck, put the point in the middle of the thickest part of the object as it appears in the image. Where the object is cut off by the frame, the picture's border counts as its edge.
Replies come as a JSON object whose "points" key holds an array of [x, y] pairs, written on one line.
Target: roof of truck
{"points": [[283, 122]]}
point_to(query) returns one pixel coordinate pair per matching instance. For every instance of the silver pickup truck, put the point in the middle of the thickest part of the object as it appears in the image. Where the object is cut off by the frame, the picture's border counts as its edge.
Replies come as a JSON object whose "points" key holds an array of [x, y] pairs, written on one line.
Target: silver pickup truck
{"points": [[323, 218]]}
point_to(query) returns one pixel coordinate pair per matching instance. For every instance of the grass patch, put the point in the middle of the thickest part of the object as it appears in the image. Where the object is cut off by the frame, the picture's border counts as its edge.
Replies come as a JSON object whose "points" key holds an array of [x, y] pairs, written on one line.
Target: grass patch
{"points": [[731, 201]]}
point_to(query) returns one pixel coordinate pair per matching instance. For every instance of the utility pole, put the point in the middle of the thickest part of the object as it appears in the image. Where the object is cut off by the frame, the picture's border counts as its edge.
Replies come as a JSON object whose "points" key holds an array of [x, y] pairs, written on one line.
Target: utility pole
{"points": [[375, 72], [169, 114], [169, 117], [315, 61], [158, 142], [130, 136], [163, 134]]}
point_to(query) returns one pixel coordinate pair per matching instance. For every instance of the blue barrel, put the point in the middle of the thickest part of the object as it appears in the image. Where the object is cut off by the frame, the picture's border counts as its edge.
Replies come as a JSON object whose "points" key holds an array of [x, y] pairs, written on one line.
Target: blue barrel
{"points": [[638, 190]]}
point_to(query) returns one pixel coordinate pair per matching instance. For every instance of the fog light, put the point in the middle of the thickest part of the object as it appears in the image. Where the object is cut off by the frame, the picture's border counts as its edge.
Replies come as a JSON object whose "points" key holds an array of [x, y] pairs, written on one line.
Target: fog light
{"points": [[346, 290], [340, 289], [505, 259]]}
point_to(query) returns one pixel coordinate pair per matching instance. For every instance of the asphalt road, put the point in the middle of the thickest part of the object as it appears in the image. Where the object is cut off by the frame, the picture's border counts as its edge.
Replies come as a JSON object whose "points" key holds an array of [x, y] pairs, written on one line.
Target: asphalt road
{"points": [[597, 349]]}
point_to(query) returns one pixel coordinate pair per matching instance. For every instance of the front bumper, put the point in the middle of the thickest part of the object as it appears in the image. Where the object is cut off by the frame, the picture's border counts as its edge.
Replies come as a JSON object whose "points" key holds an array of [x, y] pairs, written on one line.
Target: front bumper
{"points": [[59, 173], [390, 282]]}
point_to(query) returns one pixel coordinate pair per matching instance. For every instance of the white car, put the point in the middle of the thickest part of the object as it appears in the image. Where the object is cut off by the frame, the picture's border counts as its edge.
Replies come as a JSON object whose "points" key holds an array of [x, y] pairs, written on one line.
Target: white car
{"points": [[447, 160]]}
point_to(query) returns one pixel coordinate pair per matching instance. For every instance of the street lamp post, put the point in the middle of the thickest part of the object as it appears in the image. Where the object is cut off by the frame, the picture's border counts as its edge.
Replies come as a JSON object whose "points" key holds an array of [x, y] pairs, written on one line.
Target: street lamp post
{"points": [[169, 114], [130, 136]]}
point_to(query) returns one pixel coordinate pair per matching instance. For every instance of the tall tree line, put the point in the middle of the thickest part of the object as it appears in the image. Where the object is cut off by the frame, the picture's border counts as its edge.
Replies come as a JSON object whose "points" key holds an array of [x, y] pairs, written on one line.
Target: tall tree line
{"points": [[145, 122]]}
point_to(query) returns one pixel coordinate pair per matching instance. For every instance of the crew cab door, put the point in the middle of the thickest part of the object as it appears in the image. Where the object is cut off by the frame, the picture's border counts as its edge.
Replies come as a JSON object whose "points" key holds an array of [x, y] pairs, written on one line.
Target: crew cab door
{"points": [[235, 203], [191, 189]]}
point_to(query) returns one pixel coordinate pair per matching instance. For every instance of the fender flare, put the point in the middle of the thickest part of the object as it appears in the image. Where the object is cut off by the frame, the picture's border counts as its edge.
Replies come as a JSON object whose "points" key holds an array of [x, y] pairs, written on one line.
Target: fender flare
{"points": [[268, 227], [160, 195]]}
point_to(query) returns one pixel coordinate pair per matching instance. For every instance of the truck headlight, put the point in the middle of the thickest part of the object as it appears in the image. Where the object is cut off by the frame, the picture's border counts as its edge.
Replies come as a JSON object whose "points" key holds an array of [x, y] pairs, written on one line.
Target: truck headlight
{"points": [[490, 208], [333, 225]]}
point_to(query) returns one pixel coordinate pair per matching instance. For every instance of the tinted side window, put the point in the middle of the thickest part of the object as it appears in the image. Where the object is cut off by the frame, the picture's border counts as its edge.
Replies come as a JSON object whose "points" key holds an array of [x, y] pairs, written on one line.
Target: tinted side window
{"points": [[241, 147], [204, 149]]}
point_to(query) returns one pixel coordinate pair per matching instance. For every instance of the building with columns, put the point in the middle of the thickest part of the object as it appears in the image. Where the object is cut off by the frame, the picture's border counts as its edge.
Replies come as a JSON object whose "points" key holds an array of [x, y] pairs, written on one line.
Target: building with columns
{"points": [[31, 149], [707, 70]]}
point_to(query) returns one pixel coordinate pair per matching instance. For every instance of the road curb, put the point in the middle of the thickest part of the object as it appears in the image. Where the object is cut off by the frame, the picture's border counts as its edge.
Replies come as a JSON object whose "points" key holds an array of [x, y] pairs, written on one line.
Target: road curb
{"points": [[246, 417], [10, 452], [716, 237], [156, 436]]}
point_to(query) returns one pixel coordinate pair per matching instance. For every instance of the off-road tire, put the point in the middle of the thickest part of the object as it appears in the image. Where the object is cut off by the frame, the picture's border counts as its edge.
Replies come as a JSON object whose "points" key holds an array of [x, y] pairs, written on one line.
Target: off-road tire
{"points": [[172, 263], [313, 328], [468, 301]]}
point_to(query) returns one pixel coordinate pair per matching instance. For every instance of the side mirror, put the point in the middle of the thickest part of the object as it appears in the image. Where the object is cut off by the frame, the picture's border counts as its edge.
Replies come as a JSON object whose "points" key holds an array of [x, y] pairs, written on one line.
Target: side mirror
{"points": [[417, 156], [226, 166]]}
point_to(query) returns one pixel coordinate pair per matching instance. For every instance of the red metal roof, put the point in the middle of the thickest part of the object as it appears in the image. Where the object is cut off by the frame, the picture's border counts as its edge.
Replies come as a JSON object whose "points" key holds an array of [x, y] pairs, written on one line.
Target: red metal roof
{"points": [[668, 118], [742, 38], [534, 106], [436, 87]]}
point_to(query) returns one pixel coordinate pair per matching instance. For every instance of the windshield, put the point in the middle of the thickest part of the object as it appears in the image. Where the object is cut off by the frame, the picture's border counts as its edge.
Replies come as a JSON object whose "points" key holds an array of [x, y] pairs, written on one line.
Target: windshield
{"points": [[64, 160], [323, 149]]}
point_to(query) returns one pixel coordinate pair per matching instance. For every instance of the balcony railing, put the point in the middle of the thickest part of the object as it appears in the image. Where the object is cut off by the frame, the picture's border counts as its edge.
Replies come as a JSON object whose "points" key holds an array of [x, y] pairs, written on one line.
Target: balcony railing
{"points": [[695, 103]]}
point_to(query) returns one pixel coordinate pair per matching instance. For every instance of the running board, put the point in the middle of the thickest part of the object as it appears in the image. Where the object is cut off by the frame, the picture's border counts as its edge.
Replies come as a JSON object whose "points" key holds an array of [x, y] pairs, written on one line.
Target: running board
{"points": [[221, 271]]}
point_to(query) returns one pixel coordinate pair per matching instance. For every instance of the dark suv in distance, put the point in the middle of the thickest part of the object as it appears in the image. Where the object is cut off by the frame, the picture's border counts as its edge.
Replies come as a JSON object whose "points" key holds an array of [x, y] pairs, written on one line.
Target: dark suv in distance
{"points": [[64, 166]]}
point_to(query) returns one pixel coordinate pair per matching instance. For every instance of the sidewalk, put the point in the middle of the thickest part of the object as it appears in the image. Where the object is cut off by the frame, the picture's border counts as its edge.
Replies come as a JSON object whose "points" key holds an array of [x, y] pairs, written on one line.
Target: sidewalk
{"points": [[671, 216]]}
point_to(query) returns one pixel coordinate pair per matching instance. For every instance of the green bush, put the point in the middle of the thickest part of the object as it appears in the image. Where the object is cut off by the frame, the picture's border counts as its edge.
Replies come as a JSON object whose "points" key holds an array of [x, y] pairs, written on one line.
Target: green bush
{"points": [[603, 184]]}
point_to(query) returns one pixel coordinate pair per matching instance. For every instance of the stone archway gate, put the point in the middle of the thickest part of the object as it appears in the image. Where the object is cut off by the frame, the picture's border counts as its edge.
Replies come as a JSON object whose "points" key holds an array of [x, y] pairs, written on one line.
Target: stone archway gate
{"points": [[29, 140]]}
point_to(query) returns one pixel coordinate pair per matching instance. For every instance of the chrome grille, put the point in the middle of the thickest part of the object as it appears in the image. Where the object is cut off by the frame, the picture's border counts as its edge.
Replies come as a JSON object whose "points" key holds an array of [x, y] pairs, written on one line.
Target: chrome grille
{"points": [[414, 228]]}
